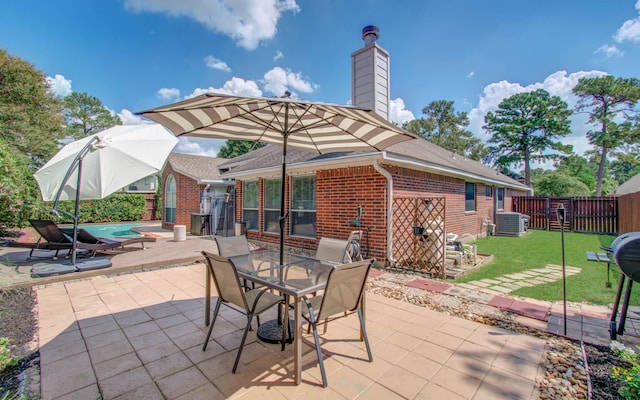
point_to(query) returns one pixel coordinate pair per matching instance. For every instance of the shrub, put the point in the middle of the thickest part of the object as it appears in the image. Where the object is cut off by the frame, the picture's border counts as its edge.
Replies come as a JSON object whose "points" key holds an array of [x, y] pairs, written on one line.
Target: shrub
{"points": [[114, 208], [6, 359], [628, 375]]}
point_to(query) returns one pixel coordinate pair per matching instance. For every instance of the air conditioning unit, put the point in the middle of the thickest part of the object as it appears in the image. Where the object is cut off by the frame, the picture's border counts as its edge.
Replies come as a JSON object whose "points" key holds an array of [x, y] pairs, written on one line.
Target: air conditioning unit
{"points": [[511, 224]]}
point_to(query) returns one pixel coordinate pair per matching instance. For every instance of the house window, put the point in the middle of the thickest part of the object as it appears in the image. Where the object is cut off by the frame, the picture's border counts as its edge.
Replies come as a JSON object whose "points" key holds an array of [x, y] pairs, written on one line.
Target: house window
{"points": [[303, 206], [488, 191], [500, 198], [470, 196], [271, 204], [170, 200], [250, 204]]}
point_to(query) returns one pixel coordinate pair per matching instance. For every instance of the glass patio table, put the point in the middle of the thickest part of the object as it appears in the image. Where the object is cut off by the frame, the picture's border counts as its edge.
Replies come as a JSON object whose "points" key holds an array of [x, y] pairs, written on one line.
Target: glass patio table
{"points": [[297, 277]]}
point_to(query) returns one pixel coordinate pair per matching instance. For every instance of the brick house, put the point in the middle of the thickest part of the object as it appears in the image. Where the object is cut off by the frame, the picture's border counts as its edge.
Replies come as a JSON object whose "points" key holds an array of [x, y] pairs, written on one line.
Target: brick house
{"points": [[192, 185], [414, 186], [336, 185]]}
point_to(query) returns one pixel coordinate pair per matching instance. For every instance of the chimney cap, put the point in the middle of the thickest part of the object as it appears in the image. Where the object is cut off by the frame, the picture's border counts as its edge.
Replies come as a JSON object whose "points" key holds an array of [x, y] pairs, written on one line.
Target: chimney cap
{"points": [[370, 33]]}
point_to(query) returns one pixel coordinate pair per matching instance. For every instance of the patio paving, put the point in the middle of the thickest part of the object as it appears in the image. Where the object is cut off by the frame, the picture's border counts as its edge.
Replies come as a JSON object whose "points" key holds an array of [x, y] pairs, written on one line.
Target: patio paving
{"points": [[138, 332], [139, 336]]}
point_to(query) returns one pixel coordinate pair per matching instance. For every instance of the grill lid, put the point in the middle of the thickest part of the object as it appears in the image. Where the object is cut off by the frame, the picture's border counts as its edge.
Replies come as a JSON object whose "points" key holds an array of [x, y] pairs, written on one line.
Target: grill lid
{"points": [[626, 254]]}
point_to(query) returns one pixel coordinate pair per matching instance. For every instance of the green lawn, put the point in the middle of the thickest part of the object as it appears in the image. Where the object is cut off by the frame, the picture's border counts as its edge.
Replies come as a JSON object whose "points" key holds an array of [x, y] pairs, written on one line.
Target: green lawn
{"points": [[538, 248]]}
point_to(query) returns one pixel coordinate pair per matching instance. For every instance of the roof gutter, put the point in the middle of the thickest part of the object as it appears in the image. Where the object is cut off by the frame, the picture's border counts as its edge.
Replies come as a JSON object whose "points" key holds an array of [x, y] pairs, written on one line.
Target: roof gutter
{"points": [[376, 165]]}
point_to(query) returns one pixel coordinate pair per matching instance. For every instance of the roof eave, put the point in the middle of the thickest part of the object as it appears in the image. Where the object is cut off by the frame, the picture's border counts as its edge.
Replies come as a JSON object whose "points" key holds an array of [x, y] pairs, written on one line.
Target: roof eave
{"points": [[360, 159]]}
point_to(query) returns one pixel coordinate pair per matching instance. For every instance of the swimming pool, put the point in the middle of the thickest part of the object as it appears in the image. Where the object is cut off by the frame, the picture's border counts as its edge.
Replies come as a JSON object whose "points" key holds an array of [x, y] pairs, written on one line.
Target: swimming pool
{"points": [[113, 229]]}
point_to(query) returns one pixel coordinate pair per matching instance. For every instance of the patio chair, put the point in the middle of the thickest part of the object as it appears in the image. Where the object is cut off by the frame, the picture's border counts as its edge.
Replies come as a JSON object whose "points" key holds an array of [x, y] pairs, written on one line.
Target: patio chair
{"points": [[231, 293], [229, 246], [333, 251], [343, 293], [51, 238]]}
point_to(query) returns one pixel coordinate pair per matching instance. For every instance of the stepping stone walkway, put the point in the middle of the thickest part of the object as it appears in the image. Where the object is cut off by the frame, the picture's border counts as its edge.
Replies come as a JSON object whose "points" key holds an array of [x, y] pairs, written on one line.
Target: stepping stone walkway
{"points": [[510, 282]]}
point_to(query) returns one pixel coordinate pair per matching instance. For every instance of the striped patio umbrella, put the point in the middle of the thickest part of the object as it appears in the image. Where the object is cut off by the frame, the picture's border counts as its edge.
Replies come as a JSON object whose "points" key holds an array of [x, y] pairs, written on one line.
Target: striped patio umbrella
{"points": [[317, 127]]}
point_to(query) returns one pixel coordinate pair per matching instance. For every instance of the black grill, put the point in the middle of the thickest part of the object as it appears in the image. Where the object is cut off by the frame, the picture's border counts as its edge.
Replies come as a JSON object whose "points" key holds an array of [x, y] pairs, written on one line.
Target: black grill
{"points": [[625, 251]]}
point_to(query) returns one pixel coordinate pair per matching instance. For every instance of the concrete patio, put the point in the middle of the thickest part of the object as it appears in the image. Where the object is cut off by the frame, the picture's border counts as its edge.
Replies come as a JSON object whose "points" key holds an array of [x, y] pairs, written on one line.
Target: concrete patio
{"points": [[140, 335], [135, 331]]}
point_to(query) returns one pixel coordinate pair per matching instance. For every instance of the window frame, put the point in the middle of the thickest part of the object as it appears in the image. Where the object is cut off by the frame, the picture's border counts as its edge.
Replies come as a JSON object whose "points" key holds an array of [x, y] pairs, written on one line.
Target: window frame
{"points": [[500, 199], [468, 200], [250, 213], [303, 209], [170, 199], [271, 206]]}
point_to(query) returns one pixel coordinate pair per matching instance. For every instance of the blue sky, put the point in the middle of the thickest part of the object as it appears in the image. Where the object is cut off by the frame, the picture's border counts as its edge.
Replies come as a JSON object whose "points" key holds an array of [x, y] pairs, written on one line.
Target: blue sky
{"points": [[138, 54]]}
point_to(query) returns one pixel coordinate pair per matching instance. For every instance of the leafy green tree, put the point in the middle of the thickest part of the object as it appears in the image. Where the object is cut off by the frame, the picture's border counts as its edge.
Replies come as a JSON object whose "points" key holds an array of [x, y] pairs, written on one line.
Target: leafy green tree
{"points": [[610, 103], [30, 121], [235, 148], [578, 167], [19, 194], [86, 115], [527, 127], [445, 127], [559, 184]]}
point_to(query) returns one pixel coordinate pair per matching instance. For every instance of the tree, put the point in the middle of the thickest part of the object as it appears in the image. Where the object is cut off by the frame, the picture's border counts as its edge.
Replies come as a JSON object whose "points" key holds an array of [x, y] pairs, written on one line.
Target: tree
{"points": [[525, 128], [446, 128], [30, 121], [86, 115], [610, 104], [235, 148], [559, 184], [578, 167], [19, 195]]}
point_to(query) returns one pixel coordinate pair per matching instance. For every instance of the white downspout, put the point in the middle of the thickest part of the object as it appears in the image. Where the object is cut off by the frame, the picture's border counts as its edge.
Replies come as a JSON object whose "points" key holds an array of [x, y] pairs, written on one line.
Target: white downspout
{"points": [[389, 179]]}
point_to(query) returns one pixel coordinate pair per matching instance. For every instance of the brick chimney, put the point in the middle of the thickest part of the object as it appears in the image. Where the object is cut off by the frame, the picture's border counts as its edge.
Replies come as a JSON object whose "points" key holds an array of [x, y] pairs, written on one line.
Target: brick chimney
{"points": [[370, 74]]}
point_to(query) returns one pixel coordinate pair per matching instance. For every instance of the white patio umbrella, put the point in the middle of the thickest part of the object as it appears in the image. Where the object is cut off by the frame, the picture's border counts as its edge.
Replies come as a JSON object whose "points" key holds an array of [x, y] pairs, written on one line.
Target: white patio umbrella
{"points": [[100, 164], [317, 127]]}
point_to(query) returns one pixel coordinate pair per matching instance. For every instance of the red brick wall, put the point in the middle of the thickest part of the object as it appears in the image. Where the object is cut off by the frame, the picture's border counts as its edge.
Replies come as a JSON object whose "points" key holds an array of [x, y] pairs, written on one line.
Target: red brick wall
{"points": [[187, 198]]}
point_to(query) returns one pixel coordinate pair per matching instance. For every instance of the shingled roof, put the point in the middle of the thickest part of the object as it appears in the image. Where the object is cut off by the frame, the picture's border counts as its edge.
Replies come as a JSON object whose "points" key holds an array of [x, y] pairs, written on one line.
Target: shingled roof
{"points": [[202, 169], [420, 153]]}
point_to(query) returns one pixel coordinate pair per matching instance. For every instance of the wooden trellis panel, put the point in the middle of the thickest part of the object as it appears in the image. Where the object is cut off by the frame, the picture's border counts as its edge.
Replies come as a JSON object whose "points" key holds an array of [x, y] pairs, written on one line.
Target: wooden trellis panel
{"points": [[419, 235]]}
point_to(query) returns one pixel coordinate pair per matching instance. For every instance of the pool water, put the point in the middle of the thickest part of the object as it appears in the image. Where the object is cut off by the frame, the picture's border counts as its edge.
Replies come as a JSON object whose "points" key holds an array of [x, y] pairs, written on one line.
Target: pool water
{"points": [[114, 229]]}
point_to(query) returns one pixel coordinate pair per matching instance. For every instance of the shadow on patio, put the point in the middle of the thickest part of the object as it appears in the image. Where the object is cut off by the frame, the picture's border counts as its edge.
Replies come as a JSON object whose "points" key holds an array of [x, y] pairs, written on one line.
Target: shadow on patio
{"points": [[140, 335]]}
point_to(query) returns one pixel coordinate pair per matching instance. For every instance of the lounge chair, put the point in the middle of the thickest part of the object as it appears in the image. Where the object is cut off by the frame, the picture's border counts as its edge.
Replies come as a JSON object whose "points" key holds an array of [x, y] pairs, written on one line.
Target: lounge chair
{"points": [[87, 241], [51, 238]]}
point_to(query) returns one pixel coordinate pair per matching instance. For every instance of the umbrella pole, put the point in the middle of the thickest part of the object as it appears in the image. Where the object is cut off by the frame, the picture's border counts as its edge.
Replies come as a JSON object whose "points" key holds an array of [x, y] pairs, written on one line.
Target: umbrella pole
{"points": [[77, 161], [76, 214], [283, 215]]}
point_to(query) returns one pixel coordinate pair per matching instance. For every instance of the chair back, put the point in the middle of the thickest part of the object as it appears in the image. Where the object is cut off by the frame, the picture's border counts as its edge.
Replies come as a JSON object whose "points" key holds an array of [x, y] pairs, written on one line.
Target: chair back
{"points": [[49, 230], [229, 246], [84, 236], [345, 285], [225, 277], [332, 250]]}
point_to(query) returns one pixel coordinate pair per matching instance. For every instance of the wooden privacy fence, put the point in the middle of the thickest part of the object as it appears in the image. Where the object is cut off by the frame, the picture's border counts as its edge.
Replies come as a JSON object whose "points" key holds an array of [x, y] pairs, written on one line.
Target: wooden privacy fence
{"points": [[419, 235], [629, 213], [583, 214]]}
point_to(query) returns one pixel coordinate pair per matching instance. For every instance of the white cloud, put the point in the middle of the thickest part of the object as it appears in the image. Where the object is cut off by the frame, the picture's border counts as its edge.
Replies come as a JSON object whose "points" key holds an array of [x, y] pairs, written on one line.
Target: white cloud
{"points": [[214, 63], [199, 146], [610, 50], [630, 29], [471, 74], [59, 85], [398, 113], [168, 94], [235, 85], [278, 55], [248, 22], [278, 80], [558, 84], [129, 118]]}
